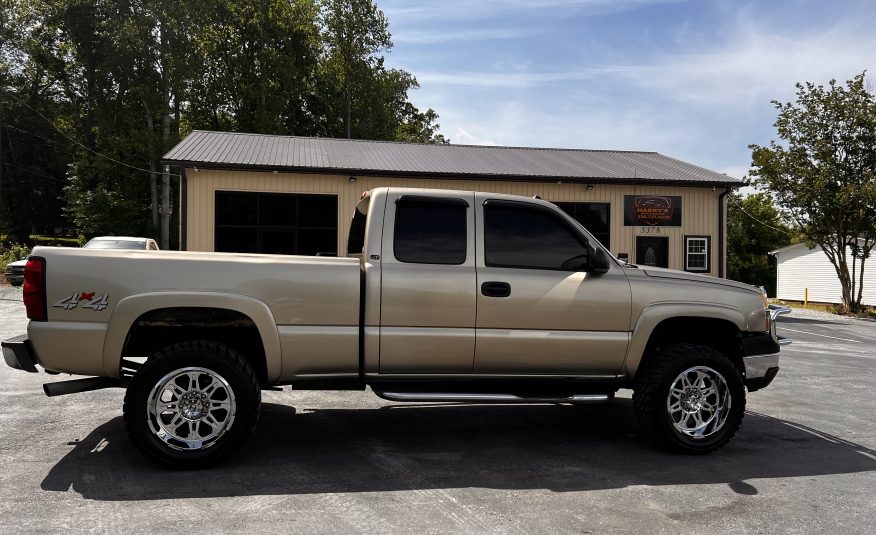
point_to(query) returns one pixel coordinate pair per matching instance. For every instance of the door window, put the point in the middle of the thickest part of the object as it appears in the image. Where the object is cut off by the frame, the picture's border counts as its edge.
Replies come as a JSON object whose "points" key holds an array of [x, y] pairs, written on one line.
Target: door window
{"points": [[521, 236], [652, 251]]}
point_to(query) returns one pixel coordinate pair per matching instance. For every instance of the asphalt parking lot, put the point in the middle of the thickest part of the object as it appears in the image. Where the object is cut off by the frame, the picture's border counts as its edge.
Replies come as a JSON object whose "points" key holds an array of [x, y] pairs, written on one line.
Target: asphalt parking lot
{"points": [[339, 462]]}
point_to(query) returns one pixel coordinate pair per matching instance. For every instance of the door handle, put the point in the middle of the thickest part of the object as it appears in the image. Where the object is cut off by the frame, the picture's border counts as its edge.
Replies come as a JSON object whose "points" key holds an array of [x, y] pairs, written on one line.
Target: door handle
{"points": [[496, 289]]}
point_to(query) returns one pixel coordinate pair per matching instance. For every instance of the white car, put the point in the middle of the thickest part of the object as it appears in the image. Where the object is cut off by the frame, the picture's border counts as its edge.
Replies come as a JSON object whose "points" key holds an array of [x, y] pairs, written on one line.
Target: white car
{"points": [[15, 272], [121, 242]]}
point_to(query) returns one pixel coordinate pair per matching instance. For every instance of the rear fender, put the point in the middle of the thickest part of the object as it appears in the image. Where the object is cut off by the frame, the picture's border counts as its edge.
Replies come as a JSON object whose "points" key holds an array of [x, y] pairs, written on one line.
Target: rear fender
{"points": [[130, 308]]}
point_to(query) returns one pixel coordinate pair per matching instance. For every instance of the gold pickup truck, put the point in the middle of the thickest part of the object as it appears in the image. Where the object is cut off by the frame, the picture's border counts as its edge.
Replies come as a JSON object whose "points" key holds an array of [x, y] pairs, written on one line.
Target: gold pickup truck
{"points": [[443, 296]]}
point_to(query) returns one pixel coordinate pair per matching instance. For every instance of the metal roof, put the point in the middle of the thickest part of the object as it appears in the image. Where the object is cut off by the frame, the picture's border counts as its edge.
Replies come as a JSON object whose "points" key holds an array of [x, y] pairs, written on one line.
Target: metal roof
{"points": [[226, 150]]}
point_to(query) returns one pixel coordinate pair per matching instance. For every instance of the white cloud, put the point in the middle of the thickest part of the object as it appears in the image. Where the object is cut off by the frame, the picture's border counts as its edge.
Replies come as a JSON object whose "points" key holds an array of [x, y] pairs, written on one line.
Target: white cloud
{"points": [[463, 137], [442, 36], [512, 79], [703, 105], [481, 9]]}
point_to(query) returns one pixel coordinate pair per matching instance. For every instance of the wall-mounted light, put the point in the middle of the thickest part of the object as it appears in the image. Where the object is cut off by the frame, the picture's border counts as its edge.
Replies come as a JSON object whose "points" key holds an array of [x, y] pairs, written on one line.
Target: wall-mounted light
{"points": [[274, 171], [352, 179], [196, 169], [589, 187]]}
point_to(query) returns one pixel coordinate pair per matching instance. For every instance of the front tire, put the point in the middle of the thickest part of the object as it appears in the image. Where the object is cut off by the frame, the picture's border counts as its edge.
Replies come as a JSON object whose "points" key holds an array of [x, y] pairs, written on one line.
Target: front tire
{"points": [[689, 398], [192, 404]]}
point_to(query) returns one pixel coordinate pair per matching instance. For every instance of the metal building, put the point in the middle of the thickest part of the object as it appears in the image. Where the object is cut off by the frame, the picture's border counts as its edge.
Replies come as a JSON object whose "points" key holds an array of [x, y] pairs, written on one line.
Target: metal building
{"points": [[295, 195]]}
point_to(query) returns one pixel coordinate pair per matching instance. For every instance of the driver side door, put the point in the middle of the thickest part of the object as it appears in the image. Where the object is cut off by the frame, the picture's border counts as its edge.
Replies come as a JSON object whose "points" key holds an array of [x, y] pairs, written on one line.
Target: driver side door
{"points": [[538, 310]]}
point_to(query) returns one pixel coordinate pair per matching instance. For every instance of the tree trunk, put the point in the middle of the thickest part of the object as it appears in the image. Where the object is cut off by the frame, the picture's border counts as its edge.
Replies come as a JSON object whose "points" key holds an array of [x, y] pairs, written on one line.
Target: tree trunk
{"points": [[165, 208], [846, 283], [165, 130], [153, 168], [347, 107]]}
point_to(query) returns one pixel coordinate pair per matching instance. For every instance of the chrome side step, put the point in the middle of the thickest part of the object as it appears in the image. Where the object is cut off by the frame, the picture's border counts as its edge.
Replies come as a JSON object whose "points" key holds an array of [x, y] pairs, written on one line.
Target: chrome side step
{"points": [[450, 397]]}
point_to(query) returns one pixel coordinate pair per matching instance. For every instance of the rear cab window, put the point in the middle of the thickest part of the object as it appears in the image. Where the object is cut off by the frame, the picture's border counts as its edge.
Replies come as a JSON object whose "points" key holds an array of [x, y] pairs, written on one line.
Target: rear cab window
{"points": [[430, 230]]}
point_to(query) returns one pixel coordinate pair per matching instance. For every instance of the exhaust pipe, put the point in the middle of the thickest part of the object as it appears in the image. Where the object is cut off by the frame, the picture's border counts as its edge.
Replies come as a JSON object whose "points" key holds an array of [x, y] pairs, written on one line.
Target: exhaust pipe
{"points": [[63, 388]]}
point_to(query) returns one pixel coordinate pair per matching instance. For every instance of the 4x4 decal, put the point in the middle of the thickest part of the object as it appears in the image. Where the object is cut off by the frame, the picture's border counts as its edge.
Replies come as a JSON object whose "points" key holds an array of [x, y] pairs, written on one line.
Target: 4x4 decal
{"points": [[94, 303]]}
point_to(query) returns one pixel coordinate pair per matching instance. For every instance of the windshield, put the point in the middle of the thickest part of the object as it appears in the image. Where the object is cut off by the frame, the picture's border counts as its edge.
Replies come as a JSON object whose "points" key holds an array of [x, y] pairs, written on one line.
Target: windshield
{"points": [[115, 244]]}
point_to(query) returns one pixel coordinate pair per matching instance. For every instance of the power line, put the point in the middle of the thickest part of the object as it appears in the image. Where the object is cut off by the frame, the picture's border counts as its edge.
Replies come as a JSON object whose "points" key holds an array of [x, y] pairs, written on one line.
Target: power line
{"points": [[104, 156], [758, 220]]}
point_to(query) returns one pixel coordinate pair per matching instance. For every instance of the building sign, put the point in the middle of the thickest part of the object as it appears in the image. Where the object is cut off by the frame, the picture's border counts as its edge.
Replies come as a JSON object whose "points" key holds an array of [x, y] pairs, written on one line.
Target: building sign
{"points": [[652, 211]]}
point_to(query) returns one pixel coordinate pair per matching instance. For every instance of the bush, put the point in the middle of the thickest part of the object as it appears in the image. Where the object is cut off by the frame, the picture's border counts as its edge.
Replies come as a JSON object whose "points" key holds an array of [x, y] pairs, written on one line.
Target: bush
{"points": [[11, 253]]}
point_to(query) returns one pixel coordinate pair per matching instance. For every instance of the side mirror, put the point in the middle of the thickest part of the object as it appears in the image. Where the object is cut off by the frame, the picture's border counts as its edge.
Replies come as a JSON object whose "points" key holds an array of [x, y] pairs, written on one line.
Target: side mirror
{"points": [[599, 263]]}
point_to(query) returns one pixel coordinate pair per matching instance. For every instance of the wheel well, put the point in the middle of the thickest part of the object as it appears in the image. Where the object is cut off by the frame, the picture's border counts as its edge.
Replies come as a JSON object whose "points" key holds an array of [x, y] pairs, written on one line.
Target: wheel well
{"points": [[719, 334], [162, 327]]}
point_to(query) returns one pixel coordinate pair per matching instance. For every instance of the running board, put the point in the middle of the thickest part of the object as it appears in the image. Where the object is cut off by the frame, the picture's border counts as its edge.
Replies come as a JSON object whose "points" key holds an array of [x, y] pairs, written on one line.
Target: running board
{"points": [[486, 398]]}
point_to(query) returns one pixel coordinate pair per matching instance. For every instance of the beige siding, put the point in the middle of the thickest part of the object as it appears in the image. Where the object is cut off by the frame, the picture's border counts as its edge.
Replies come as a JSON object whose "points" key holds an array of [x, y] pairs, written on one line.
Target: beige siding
{"points": [[699, 205]]}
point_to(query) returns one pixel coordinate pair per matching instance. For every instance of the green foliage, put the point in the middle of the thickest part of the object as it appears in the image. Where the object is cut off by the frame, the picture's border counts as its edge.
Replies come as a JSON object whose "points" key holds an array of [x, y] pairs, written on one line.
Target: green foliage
{"points": [[754, 228], [11, 253], [823, 174], [92, 94], [420, 127]]}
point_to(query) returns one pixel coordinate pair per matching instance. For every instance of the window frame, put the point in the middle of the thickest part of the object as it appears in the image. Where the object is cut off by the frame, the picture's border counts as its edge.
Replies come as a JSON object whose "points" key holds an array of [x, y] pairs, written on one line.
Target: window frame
{"points": [[425, 200], [708, 254], [555, 213], [260, 227]]}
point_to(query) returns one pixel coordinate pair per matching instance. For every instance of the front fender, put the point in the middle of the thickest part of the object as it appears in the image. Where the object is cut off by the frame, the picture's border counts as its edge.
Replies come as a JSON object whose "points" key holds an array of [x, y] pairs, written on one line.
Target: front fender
{"points": [[654, 314], [130, 308]]}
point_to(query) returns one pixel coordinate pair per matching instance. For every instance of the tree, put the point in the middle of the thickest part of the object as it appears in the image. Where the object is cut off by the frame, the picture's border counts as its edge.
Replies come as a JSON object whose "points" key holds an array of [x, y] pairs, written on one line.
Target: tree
{"points": [[355, 31], [754, 228], [420, 127], [823, 175], [92, 94], [33, 155]]}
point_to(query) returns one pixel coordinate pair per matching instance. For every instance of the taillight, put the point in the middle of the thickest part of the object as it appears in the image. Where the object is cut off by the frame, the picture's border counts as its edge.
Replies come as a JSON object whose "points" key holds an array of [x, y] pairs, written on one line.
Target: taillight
{"points": [[35, 288]]}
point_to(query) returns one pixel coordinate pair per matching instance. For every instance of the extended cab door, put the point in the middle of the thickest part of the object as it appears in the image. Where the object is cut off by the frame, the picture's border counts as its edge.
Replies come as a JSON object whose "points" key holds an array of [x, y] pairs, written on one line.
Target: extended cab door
{"points": [[539, 310], [428, 295]]}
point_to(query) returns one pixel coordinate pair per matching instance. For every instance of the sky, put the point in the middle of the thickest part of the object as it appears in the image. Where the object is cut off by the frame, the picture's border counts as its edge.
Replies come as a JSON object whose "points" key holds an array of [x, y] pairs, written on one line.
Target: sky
{"points": [[692, 79]]}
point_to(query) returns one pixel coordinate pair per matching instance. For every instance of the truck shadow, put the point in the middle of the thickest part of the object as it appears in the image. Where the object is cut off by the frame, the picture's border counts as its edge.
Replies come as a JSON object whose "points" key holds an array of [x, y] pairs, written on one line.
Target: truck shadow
{"points": [[405, 447]]}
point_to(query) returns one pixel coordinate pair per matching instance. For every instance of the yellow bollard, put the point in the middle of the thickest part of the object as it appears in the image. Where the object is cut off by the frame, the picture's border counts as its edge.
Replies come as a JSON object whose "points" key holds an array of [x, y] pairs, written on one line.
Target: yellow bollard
{"points": [[805, 296]]}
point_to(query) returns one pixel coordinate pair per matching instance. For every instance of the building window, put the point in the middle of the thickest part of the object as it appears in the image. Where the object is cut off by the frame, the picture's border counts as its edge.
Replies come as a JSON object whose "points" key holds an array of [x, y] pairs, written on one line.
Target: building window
{"points": [[697, 253], [430, 230], [518, 236], [594, 216], [276, 223]]}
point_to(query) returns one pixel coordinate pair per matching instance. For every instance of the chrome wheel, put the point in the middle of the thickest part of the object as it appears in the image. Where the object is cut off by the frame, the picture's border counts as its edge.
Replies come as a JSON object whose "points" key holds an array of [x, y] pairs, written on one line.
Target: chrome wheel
{"points": [[191, 408], [698, 402]]}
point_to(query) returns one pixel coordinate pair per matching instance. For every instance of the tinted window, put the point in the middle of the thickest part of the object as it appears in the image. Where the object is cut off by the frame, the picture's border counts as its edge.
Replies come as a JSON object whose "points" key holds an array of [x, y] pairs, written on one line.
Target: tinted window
{"points": [[594, 216], [356, 240], [276, 223], [429, 233], [518, 236]]}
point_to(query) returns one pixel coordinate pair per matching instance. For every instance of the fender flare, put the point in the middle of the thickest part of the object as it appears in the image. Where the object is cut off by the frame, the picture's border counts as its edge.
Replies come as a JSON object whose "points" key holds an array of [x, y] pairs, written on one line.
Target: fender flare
{"points": [[654, 314], [130, 308]]}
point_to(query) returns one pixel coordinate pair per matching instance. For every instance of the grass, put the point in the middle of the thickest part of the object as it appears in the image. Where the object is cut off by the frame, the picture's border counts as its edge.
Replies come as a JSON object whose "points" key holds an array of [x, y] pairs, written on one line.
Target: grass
{"points": [[866, 312]]}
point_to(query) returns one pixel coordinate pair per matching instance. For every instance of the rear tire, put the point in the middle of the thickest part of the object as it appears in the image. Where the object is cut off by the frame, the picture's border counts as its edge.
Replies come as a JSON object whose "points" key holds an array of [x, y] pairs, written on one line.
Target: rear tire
{"points": [[192, 404], [689, 398]]}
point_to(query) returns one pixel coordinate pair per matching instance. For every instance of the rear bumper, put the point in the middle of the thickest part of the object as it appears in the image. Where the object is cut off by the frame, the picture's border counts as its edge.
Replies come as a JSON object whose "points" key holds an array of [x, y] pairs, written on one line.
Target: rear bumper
{"points": [[19, 354]]}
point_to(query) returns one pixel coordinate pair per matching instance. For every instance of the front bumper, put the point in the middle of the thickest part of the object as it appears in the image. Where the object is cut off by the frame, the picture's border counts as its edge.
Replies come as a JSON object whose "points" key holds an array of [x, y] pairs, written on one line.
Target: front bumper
{"points": [[760, 353], [18, 353]]}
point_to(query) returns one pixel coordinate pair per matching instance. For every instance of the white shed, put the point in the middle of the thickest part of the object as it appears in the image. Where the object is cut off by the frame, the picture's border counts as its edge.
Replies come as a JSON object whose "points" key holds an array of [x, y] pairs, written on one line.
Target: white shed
{"points": [[800, 268]]}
